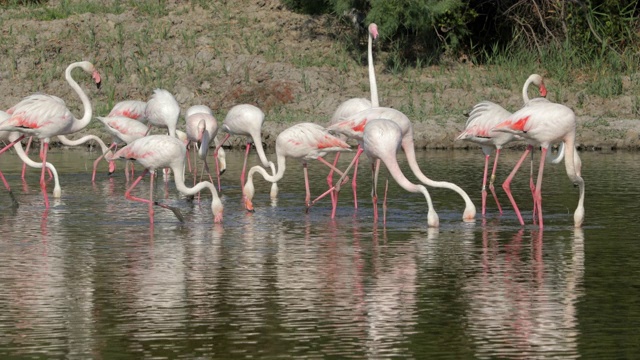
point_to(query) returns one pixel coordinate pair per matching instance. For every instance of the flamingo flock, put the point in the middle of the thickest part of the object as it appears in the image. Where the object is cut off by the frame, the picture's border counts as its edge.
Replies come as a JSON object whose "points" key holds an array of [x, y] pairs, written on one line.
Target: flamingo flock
{"points": [[378, 131]]}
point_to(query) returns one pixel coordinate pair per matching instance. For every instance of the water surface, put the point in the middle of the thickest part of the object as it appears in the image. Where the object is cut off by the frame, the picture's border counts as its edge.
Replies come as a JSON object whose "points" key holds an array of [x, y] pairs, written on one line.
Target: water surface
{"points": [[91, 278]]}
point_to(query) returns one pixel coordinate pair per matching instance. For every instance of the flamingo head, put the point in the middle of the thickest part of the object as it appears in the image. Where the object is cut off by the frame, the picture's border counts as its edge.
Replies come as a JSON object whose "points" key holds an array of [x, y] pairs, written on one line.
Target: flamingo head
{"points": [[89, 68], [247, 194], [112, 167], [373, 30], [469, 214], [432, 219], [216, 209], [543, 90]]}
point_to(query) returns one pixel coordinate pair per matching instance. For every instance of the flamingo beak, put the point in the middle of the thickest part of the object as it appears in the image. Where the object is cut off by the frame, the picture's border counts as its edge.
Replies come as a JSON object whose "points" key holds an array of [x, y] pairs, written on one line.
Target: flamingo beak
{"points": [[248, 205]]}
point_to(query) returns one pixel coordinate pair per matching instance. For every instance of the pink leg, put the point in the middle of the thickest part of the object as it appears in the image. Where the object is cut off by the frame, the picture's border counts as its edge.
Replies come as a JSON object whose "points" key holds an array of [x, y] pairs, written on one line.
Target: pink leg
{"points": [[507, 183], [43, 183], [538, 192], [128, 195], [355, 176], [532, 186], [375, 169], [493, 179], [334, 194], [14, 201], [215, 159], [307, 198], [244, 165], [24, 166], [343, 179], [484, 184]]}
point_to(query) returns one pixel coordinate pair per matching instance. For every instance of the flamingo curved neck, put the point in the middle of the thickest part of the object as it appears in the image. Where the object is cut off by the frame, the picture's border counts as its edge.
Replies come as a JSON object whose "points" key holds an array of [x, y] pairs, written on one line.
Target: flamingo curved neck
{"points": [[372, 74], [571, 158], [257, 141], [270, 178], [525, 90], [66, 141], [470, 209], [38, 165], [88, 110]]}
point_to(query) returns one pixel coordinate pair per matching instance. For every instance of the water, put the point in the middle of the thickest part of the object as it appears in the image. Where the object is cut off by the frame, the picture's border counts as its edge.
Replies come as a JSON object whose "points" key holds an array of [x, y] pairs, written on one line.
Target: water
{"points": [[90, 278]]}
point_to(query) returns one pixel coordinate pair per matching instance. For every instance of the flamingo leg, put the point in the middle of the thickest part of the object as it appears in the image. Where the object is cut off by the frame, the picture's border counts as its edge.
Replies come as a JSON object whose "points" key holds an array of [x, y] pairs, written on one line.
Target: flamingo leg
{"points": [[507, 183], [335, 188], [532, 186], [244, 165], [128, 195], [538, 191], [215, 159], [484, 183], [375, 169], [355, 176], [43, 183], [334, 194], [14, 201], [307, 198], [493, 179], [151, 197]]}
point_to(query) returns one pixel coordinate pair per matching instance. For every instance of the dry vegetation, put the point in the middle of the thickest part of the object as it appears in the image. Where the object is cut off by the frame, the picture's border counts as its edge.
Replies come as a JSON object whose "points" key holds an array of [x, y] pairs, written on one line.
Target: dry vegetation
{"points": [[295, 67]]}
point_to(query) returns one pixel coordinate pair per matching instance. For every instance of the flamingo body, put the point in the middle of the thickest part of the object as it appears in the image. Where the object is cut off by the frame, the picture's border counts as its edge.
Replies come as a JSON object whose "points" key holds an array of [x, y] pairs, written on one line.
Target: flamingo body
{"points": [[132, 109], [163, 110]]}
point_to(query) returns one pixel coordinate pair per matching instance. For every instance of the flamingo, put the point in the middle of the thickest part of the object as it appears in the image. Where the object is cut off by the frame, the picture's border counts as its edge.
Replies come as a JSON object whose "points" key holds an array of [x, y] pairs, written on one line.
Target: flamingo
{"points": [[482, 118], [246, 120], [163, 111], [304, 141], [545, 123], [162, 151], [202, 128], [132, 109], [46, 116], [124, 130], [353, 106], [380, 141], [13, 136], [353, 127]]}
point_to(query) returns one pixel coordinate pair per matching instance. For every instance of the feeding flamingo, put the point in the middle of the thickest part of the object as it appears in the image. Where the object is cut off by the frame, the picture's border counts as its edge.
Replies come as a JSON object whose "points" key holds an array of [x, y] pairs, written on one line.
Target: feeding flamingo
{"points": [[246, 120], [202, 128], [46, 116], [353, 106], [482, 118], [381, 139], [304, 141], [163, 111], [163, 151], [124, 130], [354, 126], [545, 123]]}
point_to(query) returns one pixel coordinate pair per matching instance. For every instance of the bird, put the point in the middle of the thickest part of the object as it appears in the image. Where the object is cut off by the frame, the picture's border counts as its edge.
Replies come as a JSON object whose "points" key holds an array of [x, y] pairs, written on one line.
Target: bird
{"points": [[124, 130], [303, 142], [163, 111], [246, 120], [353, 106], [132, 109], [353, 127], [46, 116], [545, 123], [201, 129], [12, 137], [164, 151], [381, 139], [482, 118]]}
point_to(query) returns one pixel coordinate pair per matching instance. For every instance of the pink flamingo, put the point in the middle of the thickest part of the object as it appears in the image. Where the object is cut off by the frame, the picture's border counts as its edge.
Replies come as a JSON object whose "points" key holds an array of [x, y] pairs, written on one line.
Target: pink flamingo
{"points": [[46, 116], [354, 126], [482, 118], [353, 106], [246, 120], [304, 141], [545, 123], [201, 130], [132, 109], [124, 130], [163, 111], [163, 151], [13, 137], [380, 141]]}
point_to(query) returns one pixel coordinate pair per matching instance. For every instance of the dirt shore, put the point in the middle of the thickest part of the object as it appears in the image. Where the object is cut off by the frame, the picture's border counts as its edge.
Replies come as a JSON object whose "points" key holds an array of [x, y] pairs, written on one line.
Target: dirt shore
{"points": [[256, 51]]}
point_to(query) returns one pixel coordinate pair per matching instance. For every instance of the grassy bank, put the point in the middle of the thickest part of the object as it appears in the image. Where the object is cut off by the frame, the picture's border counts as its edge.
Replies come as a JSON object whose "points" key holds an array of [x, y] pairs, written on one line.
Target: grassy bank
{"points": [[295, 67]]}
